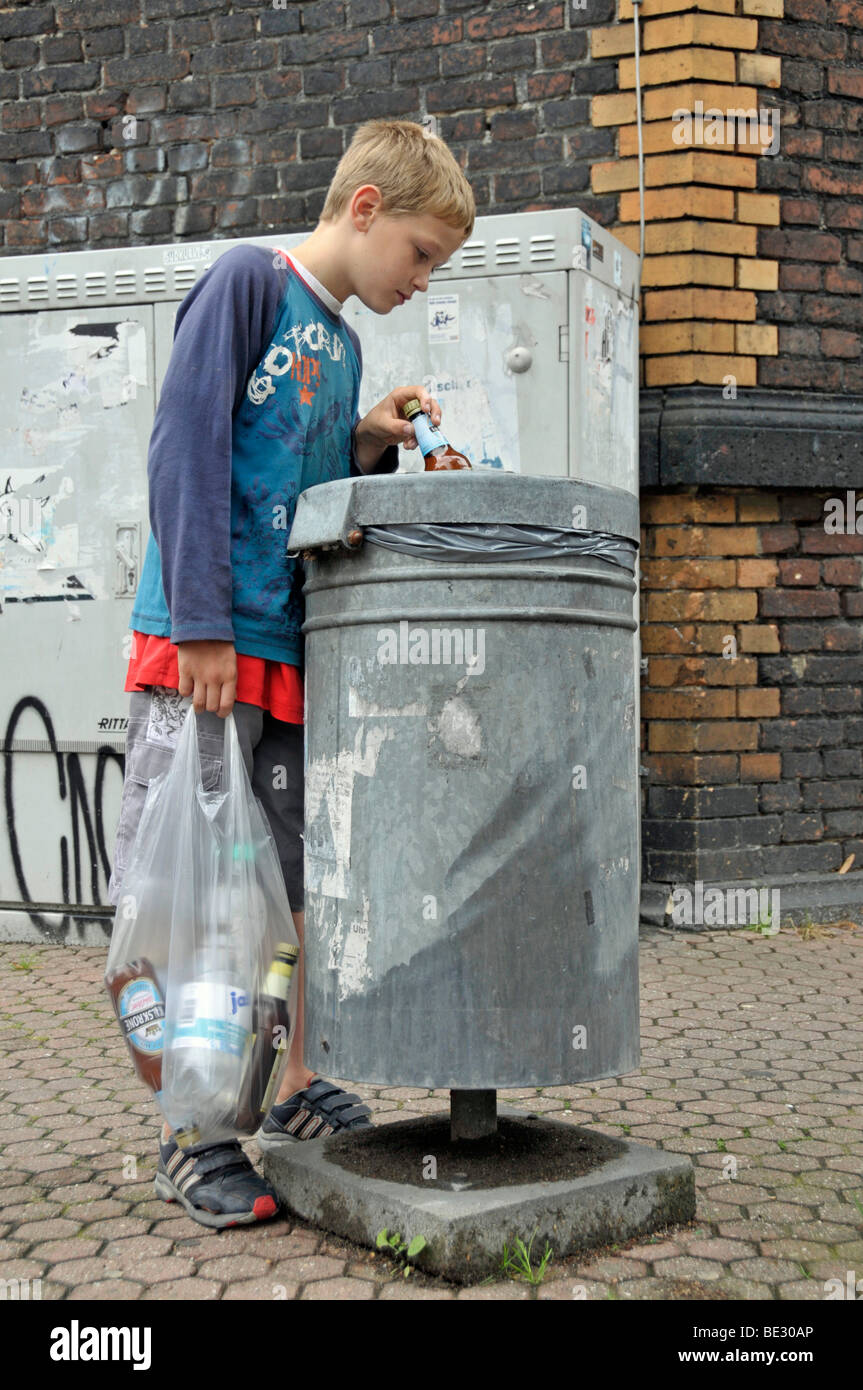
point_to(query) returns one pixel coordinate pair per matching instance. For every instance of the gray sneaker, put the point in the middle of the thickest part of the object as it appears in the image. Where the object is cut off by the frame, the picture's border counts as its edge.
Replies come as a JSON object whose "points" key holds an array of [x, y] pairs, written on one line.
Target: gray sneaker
{"points": [[215, 1183]]}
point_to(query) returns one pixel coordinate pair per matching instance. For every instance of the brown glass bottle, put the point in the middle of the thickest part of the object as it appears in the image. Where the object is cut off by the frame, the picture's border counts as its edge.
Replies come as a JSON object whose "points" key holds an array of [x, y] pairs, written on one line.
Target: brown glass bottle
{"points": [[437, 450], [267, 1049], [139, 1005]]}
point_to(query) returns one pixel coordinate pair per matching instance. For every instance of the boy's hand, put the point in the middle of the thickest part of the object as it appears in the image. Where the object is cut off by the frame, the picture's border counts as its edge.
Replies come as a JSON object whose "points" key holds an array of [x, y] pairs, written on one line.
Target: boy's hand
{"points": [[385, 424], [208, 672]]}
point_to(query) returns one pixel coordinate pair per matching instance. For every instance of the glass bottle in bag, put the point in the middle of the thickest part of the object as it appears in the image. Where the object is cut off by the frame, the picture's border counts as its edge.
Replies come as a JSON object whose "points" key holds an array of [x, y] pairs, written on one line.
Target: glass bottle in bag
{"points": [[139, 1005], [272, 1026], [436, 448]]}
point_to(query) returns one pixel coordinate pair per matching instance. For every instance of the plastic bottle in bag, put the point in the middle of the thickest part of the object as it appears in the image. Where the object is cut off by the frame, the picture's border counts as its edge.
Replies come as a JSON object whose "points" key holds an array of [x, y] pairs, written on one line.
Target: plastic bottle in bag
{"points": [[209, 1044]]}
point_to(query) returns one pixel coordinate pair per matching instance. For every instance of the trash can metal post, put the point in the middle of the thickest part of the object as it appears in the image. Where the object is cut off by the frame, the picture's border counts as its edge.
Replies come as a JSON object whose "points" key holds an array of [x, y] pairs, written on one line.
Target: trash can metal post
{"points": [[472, 1114]]}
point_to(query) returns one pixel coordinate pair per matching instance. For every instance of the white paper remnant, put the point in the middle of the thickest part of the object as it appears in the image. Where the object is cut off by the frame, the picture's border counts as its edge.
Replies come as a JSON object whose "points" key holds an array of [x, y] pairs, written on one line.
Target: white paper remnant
{"points": [[443, 318]]}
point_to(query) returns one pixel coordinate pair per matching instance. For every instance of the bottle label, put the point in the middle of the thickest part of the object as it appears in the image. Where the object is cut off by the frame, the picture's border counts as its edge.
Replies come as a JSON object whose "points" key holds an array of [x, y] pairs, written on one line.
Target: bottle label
{"points": [[213, 1016], [141, 1010], [428, 435]]}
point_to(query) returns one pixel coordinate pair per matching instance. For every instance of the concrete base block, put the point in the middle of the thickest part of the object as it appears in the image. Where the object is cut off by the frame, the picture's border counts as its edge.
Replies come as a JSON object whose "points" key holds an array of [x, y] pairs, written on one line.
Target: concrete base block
{"points": [[637, 1191]]}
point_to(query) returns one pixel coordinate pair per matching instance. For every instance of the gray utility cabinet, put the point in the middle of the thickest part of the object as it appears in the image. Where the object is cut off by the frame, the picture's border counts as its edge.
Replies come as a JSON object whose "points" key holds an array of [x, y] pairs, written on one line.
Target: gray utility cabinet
{"points": [[528, 337]]}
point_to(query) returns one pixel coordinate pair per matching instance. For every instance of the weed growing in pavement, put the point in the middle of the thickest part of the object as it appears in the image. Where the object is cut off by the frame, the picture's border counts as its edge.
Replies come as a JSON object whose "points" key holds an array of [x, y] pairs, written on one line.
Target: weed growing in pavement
{"points": [[518, 1263], [399, 1252]]}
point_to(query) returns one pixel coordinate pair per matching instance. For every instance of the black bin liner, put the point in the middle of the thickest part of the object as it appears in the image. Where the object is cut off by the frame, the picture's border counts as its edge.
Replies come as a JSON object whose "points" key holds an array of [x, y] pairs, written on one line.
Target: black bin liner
{"points": [[482, 541]]}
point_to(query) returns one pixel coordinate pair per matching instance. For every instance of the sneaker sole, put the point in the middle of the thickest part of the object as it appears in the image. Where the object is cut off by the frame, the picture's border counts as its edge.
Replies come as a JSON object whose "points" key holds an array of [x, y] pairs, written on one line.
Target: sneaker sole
{"points": [[169, 1193], [268, 1143], [272, 1143]]}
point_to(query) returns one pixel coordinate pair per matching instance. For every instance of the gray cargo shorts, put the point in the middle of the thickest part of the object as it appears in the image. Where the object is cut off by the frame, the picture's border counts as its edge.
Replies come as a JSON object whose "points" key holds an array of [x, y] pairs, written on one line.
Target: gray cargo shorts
{"points": [[156, 716]]}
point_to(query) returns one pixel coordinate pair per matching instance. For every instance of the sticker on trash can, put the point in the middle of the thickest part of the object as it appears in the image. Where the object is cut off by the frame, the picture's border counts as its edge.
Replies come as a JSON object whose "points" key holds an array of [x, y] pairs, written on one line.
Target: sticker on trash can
{"points": [[443, 318]]}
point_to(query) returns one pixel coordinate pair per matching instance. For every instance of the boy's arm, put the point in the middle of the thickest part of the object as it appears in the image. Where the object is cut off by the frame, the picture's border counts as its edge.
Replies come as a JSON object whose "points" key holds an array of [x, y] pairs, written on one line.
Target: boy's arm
{"points": [[218, 336], [367, 458]]}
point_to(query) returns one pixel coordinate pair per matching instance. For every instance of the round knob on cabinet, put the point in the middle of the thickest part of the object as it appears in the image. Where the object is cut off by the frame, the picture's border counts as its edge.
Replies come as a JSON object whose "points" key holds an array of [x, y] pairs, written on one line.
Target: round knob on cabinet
{"points": [[519, 359]]}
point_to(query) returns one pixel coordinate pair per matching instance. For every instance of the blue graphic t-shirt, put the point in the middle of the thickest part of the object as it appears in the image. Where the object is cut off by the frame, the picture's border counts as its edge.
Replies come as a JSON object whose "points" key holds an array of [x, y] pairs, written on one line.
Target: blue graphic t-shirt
{"points": [[260, 401]]}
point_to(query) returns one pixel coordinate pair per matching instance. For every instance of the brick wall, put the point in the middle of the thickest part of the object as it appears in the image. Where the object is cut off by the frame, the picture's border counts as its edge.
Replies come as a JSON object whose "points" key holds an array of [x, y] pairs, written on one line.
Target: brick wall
{"points": [[241, 110], [752, 721]]}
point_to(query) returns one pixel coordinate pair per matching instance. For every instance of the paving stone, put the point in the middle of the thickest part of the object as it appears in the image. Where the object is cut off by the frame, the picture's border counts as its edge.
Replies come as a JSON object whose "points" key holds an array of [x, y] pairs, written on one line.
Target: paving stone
{"points": [[407, 1292], [56, 1251], [687, 1267], [576, 1290], [115, 1226], [135, 1248], [231, 1267], [106, 1290], [829, 1268], [720, 1249], [850, 1251], [16, 1201], [614, 1268], [306, 1269], [339, 1289], [78, 1272], [662, 1250], [503, 1292], [264, 1289], [186, 1290], [91, 1211], [802, 1290], [765, 1270]]}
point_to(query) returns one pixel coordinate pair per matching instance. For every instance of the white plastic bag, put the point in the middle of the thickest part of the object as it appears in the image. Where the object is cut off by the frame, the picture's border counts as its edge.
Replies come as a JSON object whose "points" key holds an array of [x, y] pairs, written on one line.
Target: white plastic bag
{"points": [[202, 953]]}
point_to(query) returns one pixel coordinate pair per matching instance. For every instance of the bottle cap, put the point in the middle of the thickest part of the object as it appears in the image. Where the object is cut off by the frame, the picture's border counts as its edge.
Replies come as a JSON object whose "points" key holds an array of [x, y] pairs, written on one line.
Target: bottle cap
{"points": [[411, 408]]}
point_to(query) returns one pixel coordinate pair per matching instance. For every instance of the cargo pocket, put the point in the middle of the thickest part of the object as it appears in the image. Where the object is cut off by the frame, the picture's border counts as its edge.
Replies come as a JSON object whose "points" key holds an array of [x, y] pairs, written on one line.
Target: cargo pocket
{"points": [[144, 762]]}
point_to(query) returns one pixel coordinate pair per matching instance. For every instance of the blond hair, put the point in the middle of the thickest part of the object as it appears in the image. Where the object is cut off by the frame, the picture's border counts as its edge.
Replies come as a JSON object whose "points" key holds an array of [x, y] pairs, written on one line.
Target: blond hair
{"points": [[415, 172]]}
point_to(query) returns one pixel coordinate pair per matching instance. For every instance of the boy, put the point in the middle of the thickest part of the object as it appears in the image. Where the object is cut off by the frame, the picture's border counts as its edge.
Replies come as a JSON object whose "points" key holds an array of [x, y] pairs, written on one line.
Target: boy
{"points": [[260, 402]]}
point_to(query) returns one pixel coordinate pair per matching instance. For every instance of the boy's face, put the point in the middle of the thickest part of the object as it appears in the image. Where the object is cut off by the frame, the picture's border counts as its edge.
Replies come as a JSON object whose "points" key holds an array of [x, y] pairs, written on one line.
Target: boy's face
{"points": [[396, 255]]}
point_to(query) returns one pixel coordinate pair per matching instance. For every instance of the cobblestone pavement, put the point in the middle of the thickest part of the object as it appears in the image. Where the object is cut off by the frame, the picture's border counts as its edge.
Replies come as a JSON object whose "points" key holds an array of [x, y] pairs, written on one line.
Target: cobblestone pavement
{"points": [[752, 1063]]}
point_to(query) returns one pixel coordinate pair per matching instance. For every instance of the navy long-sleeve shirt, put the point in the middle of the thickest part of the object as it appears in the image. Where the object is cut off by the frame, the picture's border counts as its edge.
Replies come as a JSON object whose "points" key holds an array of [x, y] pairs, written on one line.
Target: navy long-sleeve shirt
{"points": [[259, 401]]}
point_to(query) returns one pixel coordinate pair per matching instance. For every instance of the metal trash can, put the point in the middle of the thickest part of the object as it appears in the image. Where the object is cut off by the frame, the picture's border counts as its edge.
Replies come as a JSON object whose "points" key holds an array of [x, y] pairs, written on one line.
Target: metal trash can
{"points": [[471, 801]]}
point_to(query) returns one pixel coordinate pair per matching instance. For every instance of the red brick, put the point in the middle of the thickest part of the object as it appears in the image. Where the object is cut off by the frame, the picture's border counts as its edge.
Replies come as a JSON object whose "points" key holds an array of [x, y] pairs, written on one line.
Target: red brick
{"points": [[837, 342], [717, 735], [664, 637], [690, 769], [720, 671], [802, 603], [675, 507], [689, 573], [758, 703], [666, 737], [826, 543], [799, 572], [772, 539], [760, 767], [688, 704], [675, 670], [756, 574], [845, 571]]}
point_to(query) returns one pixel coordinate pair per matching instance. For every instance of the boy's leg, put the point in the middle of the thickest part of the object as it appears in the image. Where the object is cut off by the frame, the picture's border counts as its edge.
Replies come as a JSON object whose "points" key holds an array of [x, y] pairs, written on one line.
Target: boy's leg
{"points": [[277, 781], [307, 1105], [297, 1075]]}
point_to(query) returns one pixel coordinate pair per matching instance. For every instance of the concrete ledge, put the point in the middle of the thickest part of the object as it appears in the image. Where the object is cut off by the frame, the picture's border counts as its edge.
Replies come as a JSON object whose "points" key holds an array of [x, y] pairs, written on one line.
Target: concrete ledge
{"points": [[825, 898], [636, 1192]]}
